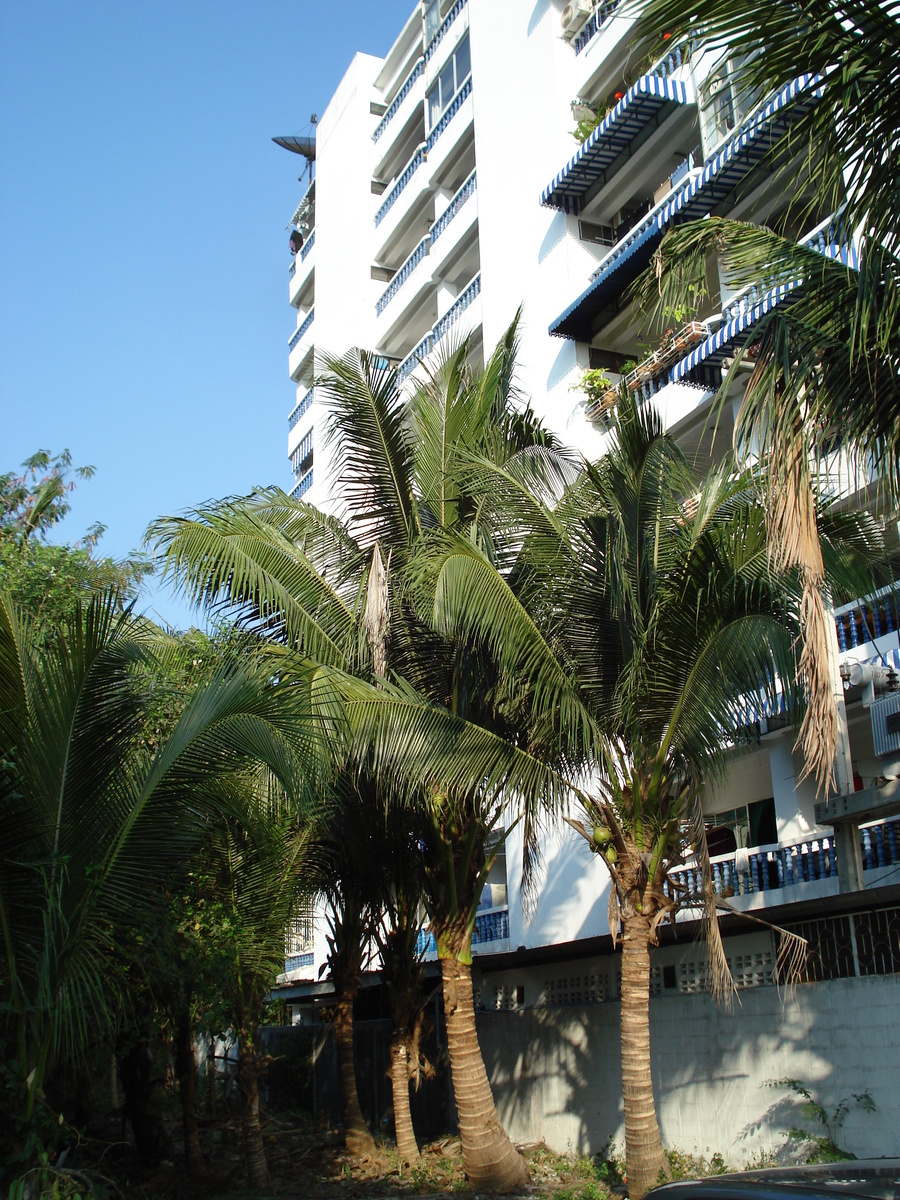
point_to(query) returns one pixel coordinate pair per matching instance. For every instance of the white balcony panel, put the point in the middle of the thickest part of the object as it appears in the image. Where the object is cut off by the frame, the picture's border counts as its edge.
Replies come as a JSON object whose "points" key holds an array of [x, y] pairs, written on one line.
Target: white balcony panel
{"points": [[444, 149], [456, 232], [401, 307], [304, 265], [411, 197], [300, 353], [399, 123], [596, 68], [675, 402]]}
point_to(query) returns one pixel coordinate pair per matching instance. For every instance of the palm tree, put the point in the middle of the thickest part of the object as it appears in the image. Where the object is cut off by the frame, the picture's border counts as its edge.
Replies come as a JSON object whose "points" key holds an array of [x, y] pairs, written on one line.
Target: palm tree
{"points": [[827, 358], [338, 592], [92, 819], [635, 615]]}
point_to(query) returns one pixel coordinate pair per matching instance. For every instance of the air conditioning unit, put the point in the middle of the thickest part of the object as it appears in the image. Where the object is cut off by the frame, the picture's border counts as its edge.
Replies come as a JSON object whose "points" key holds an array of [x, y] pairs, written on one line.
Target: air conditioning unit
{"points": [[574, 17]]}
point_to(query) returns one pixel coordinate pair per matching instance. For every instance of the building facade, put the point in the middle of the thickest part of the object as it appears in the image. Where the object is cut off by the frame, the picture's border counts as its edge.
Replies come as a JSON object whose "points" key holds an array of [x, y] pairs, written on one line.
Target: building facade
{"points": [[448, 193]]}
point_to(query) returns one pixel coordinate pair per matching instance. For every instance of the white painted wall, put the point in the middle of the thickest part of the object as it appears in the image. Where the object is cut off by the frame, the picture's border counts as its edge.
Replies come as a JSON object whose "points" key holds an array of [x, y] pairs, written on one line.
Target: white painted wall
{"points": [[555, 1071]]}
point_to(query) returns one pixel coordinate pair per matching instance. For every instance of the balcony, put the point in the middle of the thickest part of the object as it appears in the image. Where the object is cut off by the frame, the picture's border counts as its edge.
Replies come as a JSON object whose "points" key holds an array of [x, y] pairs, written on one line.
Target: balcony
{"points": [[490, 930], [301, 269], [299, 490], [300, 409], [415, 357], [453, 227], [763, 874], [397, 103], [457, 117], [397, 190], [443, 29], [599, 17], [707, 191], [859, 624], [747, 308], [300, 347], [420, 253], [645, 107], [464, 300]]}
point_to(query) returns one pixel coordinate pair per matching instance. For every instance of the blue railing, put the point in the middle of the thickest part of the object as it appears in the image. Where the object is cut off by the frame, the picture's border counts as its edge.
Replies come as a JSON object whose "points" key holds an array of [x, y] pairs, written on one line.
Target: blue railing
{"points": [[812, 859], [294, 961], [465, 192], [301, 488], [602, 13], [462, 302], [299, 332], [452, 109], [402, 275], [413, 359], [443, 27], [867, 620], [299, 409], [307, 245], [415, 162], [398, 99], [489, 927], [292, 268]]}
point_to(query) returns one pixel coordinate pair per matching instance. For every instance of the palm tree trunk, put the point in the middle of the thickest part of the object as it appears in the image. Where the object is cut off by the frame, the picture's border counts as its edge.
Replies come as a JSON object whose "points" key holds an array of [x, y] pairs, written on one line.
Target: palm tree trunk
{"points": [[645, 1159], [251, 1131], [489, 1157], [403, 1126], [356, 1132], [186, 1070]]}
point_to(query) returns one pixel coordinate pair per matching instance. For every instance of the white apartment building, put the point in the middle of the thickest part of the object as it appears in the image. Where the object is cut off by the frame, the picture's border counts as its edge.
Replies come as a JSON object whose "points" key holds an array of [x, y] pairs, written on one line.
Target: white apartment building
{"points": [[448, 192]]}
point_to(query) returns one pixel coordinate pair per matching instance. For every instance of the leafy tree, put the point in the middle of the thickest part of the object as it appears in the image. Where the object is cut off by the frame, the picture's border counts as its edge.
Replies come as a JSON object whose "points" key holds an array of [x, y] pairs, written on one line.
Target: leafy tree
{"points": [[826, 358], [92, 819], [635, 614], [46, 579]]}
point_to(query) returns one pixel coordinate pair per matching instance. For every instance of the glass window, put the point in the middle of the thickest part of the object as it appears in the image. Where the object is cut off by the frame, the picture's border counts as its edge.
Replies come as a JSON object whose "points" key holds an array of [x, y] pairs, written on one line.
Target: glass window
{"points": [[447, 88], [434, 105], [463, 61], [432, 19]]}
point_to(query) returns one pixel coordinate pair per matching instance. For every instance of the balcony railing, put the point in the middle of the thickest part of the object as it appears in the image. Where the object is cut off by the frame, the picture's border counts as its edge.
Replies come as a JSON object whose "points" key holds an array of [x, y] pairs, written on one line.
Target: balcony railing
{"points": [[293, 962], [402, 275], [413, 359], [462, 302], [452, 109], [867, 620], [307, 245], [302, 487], [447, 321], [292, 268], [443, 27], [465, 192], [414, 163], [299, 332], [769, 869], [491, 926], [602, 13], [398, 99], [298, 411]]}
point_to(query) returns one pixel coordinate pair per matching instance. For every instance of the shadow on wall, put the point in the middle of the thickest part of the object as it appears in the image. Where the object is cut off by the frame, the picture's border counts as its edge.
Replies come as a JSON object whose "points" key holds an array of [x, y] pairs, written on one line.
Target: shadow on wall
{"points": [[566, 893], [556, 1071]]}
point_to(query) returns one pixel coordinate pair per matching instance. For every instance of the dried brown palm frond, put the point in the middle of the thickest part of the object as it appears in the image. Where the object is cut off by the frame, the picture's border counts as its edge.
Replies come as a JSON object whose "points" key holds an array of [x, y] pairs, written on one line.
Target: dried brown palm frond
{"points": [[377, 613]]}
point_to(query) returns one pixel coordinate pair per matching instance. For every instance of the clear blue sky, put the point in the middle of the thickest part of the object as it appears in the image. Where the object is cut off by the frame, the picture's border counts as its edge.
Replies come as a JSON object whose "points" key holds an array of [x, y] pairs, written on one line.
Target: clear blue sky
{"points": [[143, 252]]}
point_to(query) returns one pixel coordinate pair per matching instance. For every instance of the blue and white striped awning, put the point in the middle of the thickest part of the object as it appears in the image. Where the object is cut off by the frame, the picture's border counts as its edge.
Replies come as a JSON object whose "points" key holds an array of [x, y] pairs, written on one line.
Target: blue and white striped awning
{"points": [[730, 336], [618, 270], [647, 103], [743, 152], [699, 197]]}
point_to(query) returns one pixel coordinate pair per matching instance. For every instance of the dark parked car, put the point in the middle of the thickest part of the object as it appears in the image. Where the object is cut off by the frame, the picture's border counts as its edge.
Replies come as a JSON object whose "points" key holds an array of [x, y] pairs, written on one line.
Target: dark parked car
{"points": [[878, 1178]]}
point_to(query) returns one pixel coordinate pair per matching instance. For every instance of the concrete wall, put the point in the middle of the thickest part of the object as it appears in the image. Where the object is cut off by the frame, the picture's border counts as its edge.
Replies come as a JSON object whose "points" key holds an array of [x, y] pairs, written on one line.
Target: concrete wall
{"points": [[555, 1071]]}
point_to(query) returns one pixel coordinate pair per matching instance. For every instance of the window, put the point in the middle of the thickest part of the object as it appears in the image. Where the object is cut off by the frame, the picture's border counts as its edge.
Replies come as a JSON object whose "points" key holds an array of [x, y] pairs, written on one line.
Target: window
{"points": [[452, 77], [432, 19], [302, 457]]}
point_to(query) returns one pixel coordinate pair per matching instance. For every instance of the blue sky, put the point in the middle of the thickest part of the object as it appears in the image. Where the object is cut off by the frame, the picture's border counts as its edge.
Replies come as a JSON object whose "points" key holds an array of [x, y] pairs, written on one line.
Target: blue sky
{"points": [[143, 251]]}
